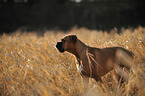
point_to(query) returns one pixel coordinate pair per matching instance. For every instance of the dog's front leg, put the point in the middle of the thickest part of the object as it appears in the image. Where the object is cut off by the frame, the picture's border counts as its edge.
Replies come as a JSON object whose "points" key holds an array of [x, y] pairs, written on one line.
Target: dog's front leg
{"points": [[86, 83]]}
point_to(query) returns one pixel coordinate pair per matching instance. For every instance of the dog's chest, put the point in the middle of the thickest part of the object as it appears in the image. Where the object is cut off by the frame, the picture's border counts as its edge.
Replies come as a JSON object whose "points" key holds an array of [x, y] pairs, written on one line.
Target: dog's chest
{"points": [[79, 68]]}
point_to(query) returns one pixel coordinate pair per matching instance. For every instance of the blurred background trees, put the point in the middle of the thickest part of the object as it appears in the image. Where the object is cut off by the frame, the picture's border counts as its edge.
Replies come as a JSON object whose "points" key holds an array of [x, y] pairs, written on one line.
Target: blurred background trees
{"points": [[64, 14]]}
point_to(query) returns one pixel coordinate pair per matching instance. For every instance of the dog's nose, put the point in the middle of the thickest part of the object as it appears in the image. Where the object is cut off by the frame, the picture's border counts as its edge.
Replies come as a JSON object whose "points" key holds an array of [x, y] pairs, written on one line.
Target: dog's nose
{"points": [[59, 47]]}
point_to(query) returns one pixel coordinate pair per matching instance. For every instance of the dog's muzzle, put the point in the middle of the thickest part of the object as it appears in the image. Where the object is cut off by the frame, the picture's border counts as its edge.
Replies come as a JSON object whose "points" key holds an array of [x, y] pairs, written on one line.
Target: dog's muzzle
{"points": [[59, 47]]}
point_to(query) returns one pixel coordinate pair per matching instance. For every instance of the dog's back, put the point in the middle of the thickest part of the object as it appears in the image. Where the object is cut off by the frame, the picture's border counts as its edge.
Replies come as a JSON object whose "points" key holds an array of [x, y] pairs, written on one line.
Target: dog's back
{"points": [[104, 60]]}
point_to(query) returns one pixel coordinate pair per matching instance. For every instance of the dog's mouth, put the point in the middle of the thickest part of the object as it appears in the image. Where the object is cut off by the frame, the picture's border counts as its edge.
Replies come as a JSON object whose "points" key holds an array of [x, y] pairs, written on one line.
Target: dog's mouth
{"points": [[59, 47]]}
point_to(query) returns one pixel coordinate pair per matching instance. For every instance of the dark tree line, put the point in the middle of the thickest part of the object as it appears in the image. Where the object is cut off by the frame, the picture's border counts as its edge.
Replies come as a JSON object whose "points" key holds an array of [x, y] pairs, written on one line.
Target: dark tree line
{"points": [[64, 14]]}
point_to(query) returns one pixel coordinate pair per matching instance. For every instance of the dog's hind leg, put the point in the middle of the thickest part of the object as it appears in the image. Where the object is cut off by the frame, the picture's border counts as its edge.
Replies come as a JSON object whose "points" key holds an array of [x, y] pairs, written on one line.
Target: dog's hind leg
{"points": [[121, 74], [118, 76]]}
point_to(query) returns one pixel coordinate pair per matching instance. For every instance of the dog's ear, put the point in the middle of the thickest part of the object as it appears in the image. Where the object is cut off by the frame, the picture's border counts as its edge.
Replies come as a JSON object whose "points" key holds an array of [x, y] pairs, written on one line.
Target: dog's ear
{"points": [[73, 38]]}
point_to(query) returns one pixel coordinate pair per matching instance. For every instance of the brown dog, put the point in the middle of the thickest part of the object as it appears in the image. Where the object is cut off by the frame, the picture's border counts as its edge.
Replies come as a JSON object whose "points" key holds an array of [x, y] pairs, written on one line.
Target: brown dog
{"points": [[93, 62]]}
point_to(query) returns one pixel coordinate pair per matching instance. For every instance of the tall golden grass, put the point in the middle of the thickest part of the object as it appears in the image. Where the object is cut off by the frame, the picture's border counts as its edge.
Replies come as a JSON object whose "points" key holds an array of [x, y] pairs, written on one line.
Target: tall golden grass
{"points": [[31, 65]]}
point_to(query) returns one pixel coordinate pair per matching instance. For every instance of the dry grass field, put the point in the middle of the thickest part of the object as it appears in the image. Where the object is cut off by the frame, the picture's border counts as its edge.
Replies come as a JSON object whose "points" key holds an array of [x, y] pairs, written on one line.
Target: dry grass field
{"points": [[30, 65]]}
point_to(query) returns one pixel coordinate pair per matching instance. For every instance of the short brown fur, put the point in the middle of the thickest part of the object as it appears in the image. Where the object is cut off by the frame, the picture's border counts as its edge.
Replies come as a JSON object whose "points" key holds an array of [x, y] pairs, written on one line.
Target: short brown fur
{"points": [[95, 62]]}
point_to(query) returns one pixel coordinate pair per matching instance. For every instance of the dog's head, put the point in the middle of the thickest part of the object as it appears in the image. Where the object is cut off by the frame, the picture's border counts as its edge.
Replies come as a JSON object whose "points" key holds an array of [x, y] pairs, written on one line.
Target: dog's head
{"points": [[67, 43]]}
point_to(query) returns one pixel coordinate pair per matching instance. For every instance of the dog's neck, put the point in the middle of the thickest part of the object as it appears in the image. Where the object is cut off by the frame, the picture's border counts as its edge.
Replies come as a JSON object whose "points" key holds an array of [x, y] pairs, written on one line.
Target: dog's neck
{"points": [[80, 49]]}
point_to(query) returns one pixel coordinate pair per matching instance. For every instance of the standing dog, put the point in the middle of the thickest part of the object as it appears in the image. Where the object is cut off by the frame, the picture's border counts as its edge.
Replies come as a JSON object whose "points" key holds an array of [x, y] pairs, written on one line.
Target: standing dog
{"points": [[93, 62]]}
